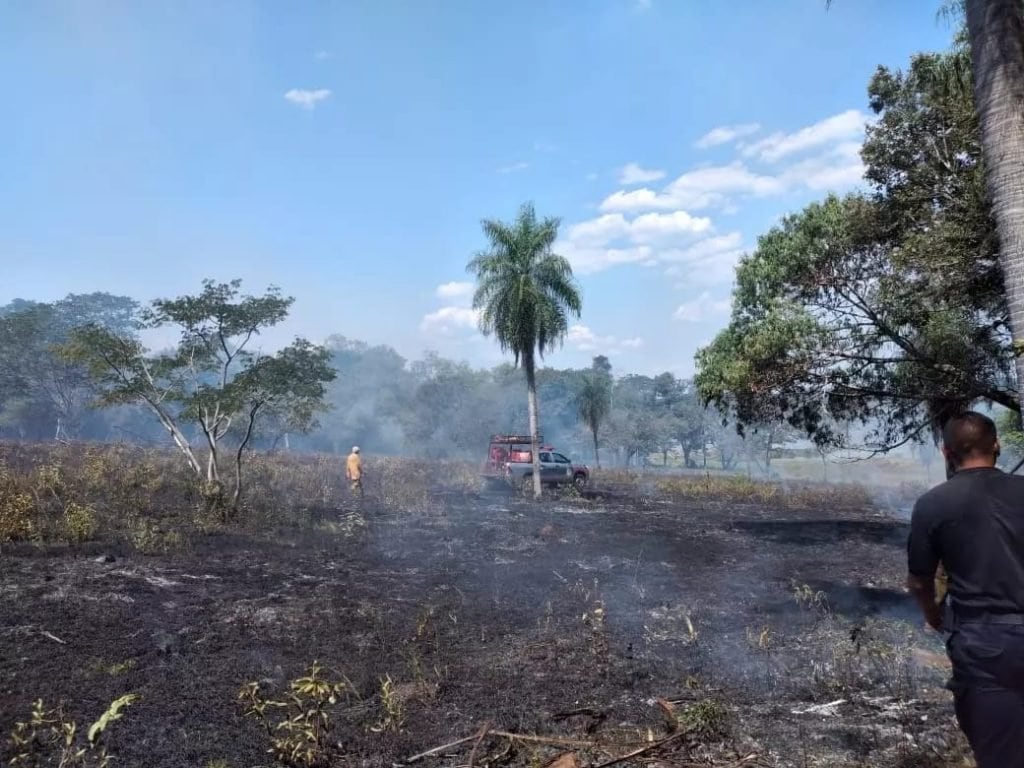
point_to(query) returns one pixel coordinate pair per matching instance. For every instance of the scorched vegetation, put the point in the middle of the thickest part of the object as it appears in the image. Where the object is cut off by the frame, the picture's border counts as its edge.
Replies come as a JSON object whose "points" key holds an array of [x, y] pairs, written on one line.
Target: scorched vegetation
{"points": [[688, 620]]}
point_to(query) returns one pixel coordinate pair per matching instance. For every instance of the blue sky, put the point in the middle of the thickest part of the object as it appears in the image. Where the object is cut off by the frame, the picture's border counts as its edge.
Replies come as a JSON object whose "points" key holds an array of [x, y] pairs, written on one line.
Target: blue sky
{"points": [[346, 151]]}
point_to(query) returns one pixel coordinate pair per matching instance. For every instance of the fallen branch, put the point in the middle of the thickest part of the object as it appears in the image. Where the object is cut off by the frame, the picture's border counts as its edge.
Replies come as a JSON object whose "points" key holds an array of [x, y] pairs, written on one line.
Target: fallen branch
{"points": [[642, 751], [545, 740], [437, 750], [476, 744], [55, 639]]}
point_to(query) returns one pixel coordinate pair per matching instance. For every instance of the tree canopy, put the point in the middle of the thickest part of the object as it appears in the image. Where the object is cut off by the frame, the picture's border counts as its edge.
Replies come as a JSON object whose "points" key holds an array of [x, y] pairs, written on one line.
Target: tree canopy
{"points": [[212, 378], [885, 307]]}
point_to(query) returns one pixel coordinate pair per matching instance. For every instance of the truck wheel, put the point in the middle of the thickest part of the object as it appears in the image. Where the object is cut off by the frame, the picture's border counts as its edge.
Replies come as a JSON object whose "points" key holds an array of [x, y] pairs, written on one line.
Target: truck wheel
{"points": [[579, 480]]}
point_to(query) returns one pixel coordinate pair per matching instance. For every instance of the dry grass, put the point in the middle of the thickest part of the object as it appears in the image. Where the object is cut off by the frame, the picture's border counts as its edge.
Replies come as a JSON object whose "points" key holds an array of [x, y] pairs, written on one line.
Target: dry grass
{"points": [[147, 499], [742, 489]]}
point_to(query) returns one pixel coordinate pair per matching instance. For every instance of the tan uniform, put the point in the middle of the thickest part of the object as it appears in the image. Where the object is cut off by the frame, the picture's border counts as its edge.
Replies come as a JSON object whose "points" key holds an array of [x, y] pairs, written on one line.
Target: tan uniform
{"points": [[354, 472]]}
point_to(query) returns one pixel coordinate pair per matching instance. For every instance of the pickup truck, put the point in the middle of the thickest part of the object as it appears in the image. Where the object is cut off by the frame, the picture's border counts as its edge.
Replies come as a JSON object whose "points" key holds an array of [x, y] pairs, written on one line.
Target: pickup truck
{"points": [[509, 460]]}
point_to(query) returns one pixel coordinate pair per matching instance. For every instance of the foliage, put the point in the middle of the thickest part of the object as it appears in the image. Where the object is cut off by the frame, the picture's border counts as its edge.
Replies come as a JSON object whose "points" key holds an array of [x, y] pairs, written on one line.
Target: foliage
{"points": [[525, 294], [299, 725], [593, 403], [18, 511], [42, 394], [211, 378], [50, 738], [80, 523], [707, 719], [884, 308]]}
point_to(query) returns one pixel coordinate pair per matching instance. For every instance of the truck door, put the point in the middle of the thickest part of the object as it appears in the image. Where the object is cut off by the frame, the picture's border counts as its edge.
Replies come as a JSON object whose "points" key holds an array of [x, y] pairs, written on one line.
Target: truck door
{"points": [[563, 467], [547, 466]]}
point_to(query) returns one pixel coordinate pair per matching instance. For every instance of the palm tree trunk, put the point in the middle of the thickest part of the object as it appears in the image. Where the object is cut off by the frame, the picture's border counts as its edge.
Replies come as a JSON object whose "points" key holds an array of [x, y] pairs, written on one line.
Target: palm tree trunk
{"points": [[597, 456], [996, 29], [531, 407]]}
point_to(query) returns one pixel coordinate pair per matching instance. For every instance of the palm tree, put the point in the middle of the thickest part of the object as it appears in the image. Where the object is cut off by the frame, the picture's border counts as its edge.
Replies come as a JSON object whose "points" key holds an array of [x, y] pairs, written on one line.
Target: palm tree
{"points": [[996, 30], [525, 294], [593, 402]]}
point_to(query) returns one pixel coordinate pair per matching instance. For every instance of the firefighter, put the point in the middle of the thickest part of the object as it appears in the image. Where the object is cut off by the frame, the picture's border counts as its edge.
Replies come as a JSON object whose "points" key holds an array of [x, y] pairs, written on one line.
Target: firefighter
{"points": [[354, 471], [974, 525]]}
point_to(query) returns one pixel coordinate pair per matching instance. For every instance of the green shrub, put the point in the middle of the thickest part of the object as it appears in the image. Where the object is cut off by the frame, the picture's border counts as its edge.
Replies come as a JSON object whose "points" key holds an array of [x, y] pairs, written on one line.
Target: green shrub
{"points": [[80, 523]]}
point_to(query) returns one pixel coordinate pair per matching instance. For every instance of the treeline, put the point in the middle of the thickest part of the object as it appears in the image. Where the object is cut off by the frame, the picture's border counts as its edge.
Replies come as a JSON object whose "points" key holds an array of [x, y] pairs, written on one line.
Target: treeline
{"points": [[433, 407]]}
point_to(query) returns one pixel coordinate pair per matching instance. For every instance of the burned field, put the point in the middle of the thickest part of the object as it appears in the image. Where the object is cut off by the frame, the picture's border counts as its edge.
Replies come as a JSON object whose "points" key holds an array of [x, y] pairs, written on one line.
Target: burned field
{"points": [[741, 632]]}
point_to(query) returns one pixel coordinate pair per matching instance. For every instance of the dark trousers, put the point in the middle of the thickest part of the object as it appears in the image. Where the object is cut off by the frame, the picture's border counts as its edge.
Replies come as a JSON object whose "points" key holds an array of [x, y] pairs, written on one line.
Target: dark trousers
{"points": [[988, 689]]}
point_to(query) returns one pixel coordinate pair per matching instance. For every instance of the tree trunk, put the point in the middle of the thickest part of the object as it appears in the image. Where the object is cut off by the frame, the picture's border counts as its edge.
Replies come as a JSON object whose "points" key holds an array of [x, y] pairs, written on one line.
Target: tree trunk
{"points": [[597, 456], [531, 407], [236, 498], [996, 29], [176, 435]]}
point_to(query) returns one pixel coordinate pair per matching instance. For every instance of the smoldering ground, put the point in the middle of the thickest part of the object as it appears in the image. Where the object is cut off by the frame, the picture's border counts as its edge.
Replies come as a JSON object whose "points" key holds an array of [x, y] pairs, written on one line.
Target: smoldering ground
{"points": [[480, 607]]}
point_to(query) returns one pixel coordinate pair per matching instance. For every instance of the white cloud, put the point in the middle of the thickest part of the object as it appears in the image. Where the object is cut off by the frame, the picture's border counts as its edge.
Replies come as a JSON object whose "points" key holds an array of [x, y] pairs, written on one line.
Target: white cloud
{"points": [[637, 200], [305, 98], [724, 134], [837, 169], [633, 174], [514, 167], [448, 320], [649, 227], [658, 227], [702, 308], [696, 189], [454, 290], [585, 340], [708, 262], [844, 126], [588, 260]]}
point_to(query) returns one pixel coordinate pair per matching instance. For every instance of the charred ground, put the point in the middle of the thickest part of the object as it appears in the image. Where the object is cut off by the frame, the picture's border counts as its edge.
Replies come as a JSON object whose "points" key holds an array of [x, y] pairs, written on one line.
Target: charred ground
{"points": [[566, 618]]}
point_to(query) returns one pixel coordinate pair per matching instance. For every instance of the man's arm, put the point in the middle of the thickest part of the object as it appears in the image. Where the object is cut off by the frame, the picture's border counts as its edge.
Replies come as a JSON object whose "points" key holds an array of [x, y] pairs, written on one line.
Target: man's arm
{"points": [[923, 590], [923, 563]]}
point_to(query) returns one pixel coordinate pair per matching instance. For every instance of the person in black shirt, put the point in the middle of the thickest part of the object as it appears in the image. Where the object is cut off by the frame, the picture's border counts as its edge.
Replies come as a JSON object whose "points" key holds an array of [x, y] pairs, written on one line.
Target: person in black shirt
{"points": [[974, 525]]}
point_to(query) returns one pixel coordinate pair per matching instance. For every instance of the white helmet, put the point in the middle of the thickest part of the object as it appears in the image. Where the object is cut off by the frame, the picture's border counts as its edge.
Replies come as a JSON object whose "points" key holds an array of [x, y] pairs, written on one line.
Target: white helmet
{"points": [[355, 449]]}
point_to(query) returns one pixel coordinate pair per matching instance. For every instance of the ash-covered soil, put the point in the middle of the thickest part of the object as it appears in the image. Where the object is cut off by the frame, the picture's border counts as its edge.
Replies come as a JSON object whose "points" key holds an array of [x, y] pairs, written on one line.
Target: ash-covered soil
{"points": [[566, 618]]}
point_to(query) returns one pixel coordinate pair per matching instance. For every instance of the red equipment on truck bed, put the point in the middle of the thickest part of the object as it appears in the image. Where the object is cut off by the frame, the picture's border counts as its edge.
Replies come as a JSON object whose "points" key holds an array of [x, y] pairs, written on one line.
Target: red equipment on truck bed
{"points": [[505, 448]]}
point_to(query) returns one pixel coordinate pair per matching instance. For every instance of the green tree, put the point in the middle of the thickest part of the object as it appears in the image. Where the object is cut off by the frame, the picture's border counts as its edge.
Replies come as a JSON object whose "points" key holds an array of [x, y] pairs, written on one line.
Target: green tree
{"points": [[885, 308], [996, 29], [211, 378], [38, 389], [525, 294], [593, 403]]}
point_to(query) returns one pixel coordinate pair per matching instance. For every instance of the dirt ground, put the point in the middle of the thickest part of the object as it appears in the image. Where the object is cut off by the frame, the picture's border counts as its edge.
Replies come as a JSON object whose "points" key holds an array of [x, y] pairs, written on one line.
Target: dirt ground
{"points": [[566, 618]]}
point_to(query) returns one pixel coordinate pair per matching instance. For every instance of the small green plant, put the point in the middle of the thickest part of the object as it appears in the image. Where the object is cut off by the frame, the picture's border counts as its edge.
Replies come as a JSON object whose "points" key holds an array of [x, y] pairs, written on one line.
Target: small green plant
{"points": [[300, 731], [706, 720], [809, 599], [393, 705], [119, 668], [18, 510], [50, 738], [150, 539], [79, 522]]}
